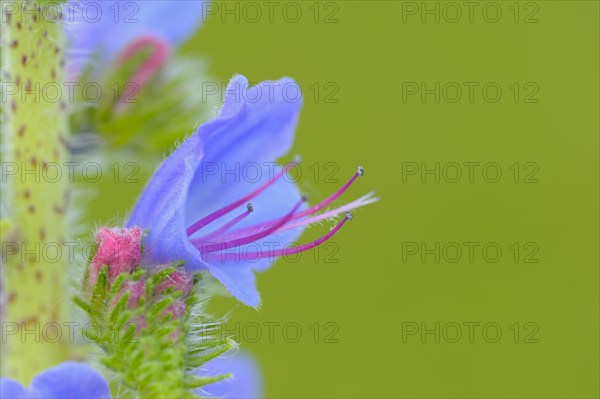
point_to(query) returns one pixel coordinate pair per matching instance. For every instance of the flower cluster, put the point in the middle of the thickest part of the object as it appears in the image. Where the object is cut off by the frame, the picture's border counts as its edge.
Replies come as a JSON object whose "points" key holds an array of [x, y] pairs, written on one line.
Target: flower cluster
{"points": [[143, 318]]}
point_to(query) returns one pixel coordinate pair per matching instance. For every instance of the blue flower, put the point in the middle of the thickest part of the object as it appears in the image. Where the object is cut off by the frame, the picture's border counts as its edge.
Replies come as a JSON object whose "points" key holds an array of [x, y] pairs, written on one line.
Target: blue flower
{"points": [[219, 203], [68, 380], [108, 28], [71, 380], [246, 382]]}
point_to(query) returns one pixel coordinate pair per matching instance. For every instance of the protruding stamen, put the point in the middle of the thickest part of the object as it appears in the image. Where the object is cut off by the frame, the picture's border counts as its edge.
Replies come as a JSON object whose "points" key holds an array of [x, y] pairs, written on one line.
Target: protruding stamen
{"points": [[286, 251], [222, 246], [349, 215], [225, 228], [332, 198], [310, 211], [226, 209], [361, 171], [362, 201]]}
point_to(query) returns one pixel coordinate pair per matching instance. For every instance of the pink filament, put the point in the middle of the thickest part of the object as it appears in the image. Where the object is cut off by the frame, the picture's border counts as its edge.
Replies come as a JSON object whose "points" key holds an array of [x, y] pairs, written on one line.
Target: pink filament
{"points": [[310, 211], [285, 251], [362, 201], [329, 200], [221, 246], [226, 209], [222, 230]]}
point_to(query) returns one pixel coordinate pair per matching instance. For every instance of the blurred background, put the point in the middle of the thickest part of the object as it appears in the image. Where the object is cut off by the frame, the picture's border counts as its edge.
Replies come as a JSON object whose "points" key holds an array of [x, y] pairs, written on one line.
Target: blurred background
{"points": [[476, 275]]}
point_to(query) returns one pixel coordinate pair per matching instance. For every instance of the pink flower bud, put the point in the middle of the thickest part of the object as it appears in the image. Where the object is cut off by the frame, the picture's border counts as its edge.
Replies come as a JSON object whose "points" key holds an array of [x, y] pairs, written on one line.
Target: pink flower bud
{"points": [[135, 288], [139, 322], [119, 248], [177, 309], [180, 280]]}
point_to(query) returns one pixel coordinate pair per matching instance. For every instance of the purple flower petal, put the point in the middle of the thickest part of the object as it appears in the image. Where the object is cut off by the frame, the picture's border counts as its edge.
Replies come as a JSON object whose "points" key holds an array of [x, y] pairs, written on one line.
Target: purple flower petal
{"points": [[107, 26], [246, 382], [69, 380], [255, 126], [11, 389]]}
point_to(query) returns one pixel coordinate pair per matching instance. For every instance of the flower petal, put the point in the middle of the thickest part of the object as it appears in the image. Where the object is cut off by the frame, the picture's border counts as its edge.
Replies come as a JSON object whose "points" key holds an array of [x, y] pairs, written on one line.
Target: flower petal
{"points": [[239, 281], [239, 161], [70, 380], [108, 26], [11, 389], [246, 382], [161, 207], [255, 126]]}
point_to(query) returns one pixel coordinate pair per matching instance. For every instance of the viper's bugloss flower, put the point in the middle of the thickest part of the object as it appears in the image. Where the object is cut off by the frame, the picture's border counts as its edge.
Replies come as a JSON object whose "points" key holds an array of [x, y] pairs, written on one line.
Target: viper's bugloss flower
{"points": [[118, 248], [68, 380], [206, 219], [106, 29]]}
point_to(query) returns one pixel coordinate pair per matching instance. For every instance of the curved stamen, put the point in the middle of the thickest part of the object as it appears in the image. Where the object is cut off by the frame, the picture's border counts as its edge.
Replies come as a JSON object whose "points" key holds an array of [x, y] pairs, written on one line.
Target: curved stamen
{"points": [[366, 199], [226, 209], [257, 227], [286, 251], [225, 228], [360, 172], [362, 201], [222, 246]]}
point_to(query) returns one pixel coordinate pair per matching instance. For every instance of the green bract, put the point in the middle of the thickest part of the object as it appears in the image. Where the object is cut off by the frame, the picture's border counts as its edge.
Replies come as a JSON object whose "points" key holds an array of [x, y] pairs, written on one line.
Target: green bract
{"points": [[150, 350]]}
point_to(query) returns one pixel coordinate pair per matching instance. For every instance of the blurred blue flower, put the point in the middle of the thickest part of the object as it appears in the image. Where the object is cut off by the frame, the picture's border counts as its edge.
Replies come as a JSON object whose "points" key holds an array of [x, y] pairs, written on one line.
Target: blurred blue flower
{"points": [[68, 380], [146, 94], [105, 28], [246, 382], [216, 172], [71, 380]]}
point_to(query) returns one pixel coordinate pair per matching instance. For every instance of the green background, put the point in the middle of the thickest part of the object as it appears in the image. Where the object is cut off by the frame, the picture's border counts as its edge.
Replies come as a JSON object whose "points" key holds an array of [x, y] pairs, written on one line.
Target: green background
{"points": [[376, 290]]}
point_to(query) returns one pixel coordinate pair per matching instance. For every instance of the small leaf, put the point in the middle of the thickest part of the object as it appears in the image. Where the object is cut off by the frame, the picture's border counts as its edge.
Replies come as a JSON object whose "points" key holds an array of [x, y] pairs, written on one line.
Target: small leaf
{"points": [[161, 275], [117, 284], [120, 307], [193, 381], [82, 304], [198, 361]]}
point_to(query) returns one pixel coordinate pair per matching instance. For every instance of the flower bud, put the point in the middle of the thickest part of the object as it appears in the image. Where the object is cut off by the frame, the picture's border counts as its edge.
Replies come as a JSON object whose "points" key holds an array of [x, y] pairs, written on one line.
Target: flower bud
{"points": [[180, 280], [136, 290], [177, 309], [119, 249]]}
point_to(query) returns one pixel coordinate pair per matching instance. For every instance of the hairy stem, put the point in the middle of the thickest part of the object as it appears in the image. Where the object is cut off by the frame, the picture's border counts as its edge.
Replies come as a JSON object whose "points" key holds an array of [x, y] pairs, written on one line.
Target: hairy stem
{"points": [[35, 129]]}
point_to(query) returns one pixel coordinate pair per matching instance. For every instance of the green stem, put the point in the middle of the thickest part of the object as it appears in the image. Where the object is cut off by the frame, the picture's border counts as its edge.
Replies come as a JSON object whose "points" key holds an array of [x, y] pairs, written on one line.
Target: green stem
{"points": [[35, 133]]}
